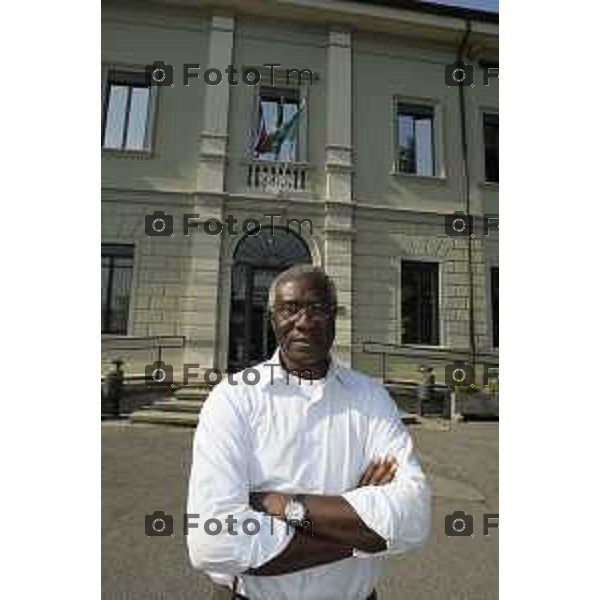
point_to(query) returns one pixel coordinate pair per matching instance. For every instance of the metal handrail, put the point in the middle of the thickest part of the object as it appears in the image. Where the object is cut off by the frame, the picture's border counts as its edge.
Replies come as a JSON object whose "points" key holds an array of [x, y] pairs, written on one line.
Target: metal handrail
{"points": [[155, 342], [415, 352]]}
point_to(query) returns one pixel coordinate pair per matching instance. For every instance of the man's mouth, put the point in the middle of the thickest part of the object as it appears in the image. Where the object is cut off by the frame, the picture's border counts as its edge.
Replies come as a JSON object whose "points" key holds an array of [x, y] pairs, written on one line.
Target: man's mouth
{"points": [[304, 342]]}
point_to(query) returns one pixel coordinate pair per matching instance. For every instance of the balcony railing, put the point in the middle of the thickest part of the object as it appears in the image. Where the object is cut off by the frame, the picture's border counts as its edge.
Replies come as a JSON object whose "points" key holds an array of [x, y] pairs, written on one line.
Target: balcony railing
{"points": [[273, 177]]}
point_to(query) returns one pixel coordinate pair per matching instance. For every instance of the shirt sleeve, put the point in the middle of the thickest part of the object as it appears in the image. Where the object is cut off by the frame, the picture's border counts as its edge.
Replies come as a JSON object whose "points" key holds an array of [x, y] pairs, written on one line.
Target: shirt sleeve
{"points": [[219, 489], [399, 511]]}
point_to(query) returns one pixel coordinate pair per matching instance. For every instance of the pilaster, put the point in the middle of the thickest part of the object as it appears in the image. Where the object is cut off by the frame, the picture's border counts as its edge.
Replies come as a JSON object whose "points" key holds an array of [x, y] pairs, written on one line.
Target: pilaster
{"points": [[212, 143], [338, 151]]}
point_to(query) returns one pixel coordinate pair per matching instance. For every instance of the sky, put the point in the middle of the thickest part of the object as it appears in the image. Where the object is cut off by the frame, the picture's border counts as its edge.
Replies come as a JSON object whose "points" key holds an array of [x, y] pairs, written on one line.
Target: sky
{"points": [[489, 5]]}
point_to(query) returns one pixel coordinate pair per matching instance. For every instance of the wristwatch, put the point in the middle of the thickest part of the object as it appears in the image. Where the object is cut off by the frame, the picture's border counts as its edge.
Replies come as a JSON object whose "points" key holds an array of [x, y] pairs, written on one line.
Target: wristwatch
{"points": [[295, 511]]}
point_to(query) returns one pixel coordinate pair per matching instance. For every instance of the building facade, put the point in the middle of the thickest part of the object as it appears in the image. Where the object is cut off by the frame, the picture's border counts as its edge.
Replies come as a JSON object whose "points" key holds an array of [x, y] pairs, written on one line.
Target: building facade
{"points": [[351, 154]]}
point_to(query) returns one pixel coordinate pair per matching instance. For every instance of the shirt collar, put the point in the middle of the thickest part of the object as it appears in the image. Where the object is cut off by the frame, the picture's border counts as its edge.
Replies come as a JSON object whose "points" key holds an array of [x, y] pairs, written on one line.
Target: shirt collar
{"points": [[335, 370]]}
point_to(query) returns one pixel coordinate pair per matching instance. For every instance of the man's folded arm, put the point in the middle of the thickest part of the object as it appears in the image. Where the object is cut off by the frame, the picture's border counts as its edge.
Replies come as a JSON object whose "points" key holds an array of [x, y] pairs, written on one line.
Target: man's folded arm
{"points": [[224, 534], [329, 518], [219, 492], [375, 519], [332, 531], [394, 517], [303, 552], [399, 511]]}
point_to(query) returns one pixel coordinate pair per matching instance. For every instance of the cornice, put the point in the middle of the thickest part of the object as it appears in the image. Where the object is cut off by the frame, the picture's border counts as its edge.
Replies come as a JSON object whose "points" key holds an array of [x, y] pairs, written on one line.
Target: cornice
{"points": [[406, 19]]}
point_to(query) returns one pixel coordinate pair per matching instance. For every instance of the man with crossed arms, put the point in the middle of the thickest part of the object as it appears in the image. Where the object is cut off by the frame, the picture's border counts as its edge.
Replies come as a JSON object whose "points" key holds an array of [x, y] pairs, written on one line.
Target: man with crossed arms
{"points": [[316, 471]]}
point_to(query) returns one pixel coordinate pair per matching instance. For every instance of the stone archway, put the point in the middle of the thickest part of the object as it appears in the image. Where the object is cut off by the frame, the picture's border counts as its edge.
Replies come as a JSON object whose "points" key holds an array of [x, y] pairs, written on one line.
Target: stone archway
{"points": [[257, 260]]}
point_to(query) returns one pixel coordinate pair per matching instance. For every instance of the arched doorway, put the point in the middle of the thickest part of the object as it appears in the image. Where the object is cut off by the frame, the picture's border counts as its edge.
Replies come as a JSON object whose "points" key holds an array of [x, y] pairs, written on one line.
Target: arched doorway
{"points": [[257, 260]]}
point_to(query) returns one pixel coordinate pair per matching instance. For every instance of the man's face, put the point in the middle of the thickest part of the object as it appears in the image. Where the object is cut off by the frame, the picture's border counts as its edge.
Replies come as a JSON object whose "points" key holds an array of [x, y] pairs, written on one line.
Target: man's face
{"points": [[304, 322]]}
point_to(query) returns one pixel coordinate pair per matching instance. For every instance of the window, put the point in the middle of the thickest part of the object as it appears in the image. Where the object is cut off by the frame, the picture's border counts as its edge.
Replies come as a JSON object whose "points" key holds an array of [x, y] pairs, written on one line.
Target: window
{"points": [[490, 134], [415, 139], [277, 129], [126, 111], [117, 271], [495, 306], [420, 303]]}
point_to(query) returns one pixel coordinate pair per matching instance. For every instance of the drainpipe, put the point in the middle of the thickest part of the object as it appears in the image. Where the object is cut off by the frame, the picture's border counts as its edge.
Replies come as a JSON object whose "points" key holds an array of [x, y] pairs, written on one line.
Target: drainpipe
{"points": [[467, 178]]}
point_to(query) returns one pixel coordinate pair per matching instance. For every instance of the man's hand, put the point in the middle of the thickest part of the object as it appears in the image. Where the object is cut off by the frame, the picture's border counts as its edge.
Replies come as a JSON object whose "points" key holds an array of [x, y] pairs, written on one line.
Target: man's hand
{"points": [[378, 472], [270, 503]]}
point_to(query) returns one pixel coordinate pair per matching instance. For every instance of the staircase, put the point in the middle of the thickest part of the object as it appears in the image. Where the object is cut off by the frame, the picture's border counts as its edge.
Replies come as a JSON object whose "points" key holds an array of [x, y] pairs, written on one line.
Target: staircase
{"points": [[181, 408], [184, 405]]}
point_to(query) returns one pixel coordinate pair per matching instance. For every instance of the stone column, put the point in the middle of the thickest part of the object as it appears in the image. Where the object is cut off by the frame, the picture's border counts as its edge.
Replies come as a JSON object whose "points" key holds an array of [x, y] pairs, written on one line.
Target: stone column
{"points": [[200, 290], [339, 211], [339, 237], [212, 150], [338, 165], [200, 293]]}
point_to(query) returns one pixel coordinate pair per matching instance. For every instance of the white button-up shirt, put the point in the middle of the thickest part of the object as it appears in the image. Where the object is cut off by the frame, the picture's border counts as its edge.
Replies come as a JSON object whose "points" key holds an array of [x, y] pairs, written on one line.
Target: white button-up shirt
{"points": [[279, 435]]}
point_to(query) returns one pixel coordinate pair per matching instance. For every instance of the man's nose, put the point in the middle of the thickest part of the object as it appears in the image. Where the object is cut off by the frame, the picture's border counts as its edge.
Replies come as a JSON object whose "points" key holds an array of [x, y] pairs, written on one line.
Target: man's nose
{"points": [[305, 320]]}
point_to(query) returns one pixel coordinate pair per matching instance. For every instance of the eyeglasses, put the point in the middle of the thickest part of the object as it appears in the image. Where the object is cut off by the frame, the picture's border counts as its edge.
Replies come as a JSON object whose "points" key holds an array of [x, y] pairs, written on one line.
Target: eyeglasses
{"points": [[289, 310]]}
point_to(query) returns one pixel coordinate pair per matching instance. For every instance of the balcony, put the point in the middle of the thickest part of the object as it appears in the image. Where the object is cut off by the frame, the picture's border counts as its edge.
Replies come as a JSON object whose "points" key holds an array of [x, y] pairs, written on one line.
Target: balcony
{"points": [[272, 177]]}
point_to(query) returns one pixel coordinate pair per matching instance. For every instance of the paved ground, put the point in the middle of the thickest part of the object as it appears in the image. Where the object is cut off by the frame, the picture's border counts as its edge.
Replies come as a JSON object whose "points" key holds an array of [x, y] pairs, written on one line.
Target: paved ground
{"points": [[145, 468]]}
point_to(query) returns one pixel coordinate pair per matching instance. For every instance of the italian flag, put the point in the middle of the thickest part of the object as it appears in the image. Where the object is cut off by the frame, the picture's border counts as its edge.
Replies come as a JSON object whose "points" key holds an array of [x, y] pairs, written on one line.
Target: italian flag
{"points": [[272, 142]]}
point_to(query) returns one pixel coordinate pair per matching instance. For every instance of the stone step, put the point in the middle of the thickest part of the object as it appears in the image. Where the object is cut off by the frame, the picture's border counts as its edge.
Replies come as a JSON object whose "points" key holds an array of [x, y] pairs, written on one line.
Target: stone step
{"points": [[411, 418], [197, 393], [162, 417], [177, 405]]}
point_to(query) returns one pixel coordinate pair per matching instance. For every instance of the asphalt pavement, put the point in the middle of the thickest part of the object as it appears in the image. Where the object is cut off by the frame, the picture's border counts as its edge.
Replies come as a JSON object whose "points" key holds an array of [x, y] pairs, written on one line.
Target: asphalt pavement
{"points": [[145, 469]]}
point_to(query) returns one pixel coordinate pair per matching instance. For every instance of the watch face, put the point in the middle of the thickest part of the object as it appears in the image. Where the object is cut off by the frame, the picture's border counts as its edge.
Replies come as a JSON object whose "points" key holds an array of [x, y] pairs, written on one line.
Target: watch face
{"points": [[294, 511]]}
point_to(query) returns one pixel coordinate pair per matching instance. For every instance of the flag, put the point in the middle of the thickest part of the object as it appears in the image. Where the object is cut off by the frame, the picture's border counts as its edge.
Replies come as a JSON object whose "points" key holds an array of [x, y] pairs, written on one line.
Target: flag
{"points": [[263, 142], [272, 142]]}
